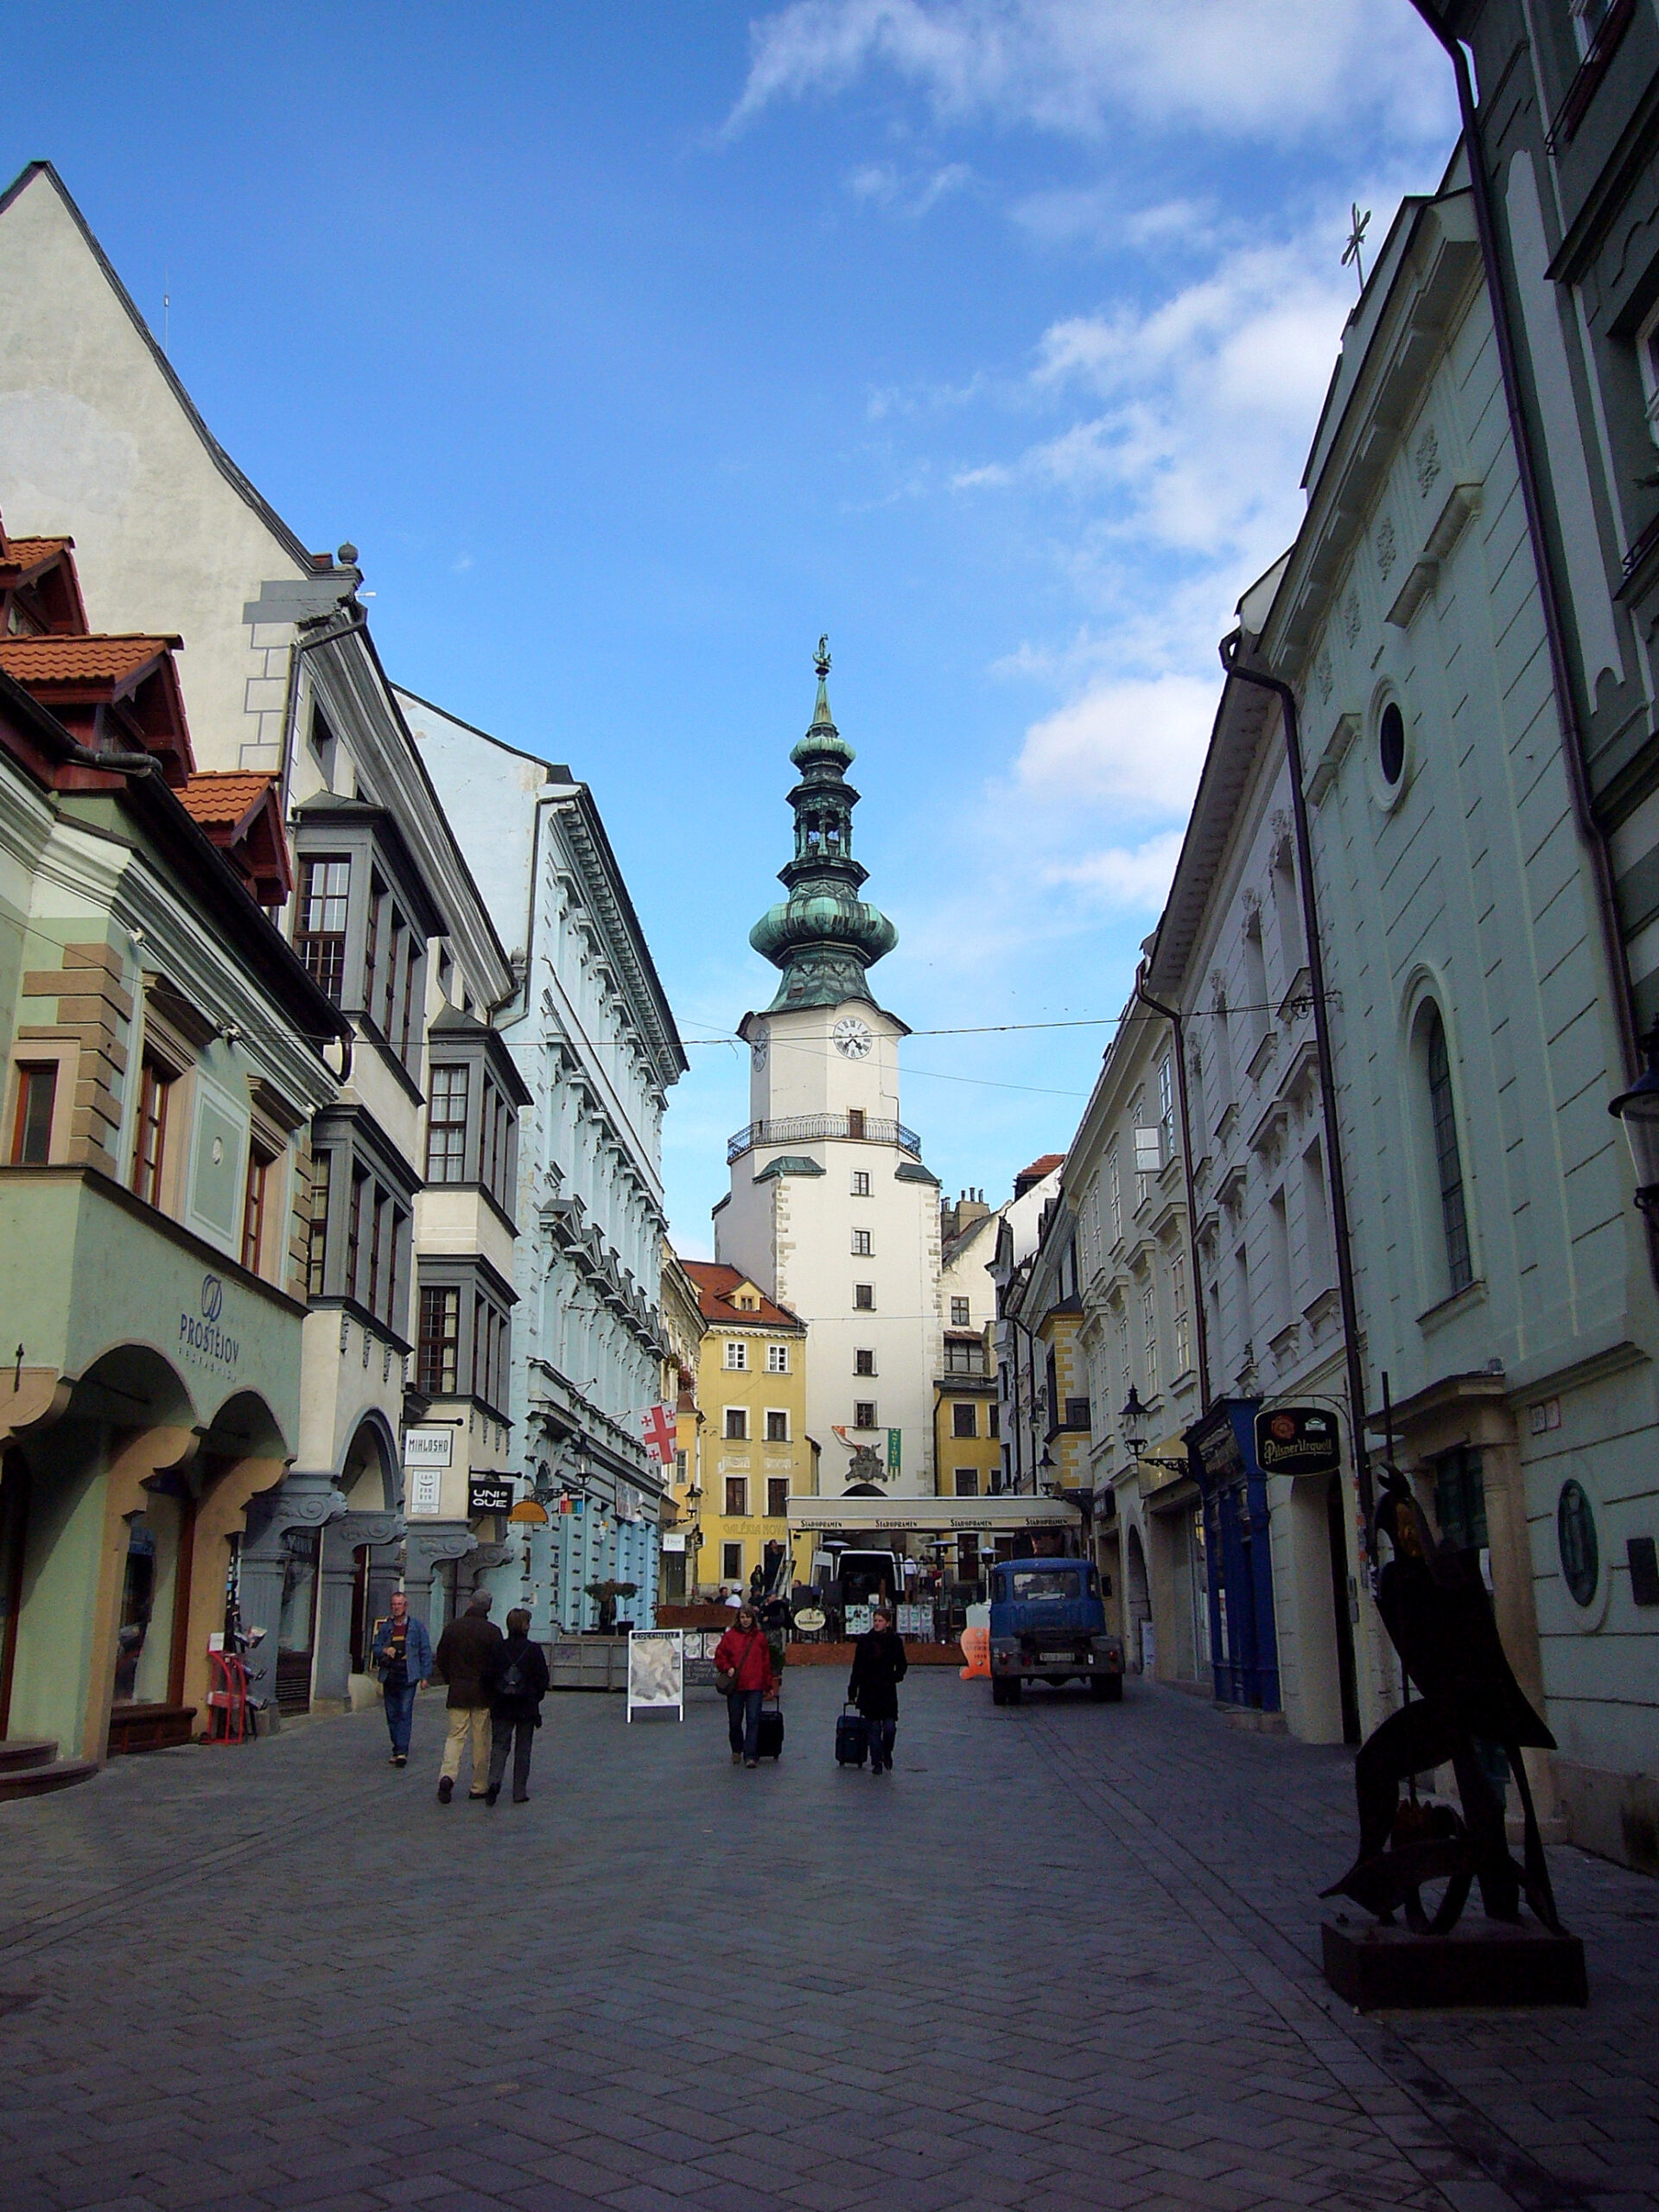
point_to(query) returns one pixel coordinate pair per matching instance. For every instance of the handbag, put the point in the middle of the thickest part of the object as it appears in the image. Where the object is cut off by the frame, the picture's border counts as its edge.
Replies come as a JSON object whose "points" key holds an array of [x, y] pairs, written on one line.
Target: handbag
{"points": [[724, 1682]]}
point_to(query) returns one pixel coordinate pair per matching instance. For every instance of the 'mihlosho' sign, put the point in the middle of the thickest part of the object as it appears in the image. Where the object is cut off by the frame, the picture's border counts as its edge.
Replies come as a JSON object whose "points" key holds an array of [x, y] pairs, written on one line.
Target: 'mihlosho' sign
{"points": [[1297, 1441]]}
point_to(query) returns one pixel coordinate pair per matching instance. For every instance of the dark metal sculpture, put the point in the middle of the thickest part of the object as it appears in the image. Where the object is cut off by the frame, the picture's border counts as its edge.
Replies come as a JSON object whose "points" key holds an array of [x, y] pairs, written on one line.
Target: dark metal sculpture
{"points": [[1439, 1619]]}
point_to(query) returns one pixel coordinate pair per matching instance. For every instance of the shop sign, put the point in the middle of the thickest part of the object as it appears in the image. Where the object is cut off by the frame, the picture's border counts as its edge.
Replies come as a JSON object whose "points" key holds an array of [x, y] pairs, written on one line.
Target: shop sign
{"points": [[674, 1540], [489, 1494], [203, 1339], [425, 1493], [429, 1447], [896, 1448], [1297, 1441]]}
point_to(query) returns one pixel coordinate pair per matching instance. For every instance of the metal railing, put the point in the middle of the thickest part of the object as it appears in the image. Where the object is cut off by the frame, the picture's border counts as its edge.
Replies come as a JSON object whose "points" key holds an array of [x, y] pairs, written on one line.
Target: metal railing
{"points": [[803, 1128]]}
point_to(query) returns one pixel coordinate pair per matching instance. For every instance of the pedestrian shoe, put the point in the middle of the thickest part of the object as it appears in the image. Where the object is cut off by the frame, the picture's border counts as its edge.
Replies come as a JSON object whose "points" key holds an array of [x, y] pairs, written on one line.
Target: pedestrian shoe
{"points": [[525, 1800], [492, 1793], [446, 1789], [737, 1758], [400, 1758], [478, 1796], [751, 1762]]}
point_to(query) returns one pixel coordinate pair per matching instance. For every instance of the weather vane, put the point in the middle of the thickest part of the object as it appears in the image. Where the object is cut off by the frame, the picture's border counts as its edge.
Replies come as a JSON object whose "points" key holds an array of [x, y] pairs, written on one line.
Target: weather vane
{"points": [[1355, 242], [820, 658]]}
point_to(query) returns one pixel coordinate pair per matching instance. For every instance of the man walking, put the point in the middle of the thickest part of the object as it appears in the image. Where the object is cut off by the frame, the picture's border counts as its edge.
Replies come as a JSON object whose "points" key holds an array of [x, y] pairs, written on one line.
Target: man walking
{"points": [[464, 1650], [401, 1653]]}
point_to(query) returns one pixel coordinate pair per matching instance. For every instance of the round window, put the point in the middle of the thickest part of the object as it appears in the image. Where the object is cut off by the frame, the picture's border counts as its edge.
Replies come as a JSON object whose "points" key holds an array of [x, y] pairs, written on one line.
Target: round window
{"points": [[1391, 745], [1575, 1534]]}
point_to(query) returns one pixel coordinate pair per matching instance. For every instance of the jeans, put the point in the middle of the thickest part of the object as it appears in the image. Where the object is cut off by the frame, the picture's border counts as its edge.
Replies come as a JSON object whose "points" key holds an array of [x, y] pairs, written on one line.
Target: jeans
{"points": [[743, 1720], [467, 1721], [881, 1735], [400, 1714], [501, 1736]]}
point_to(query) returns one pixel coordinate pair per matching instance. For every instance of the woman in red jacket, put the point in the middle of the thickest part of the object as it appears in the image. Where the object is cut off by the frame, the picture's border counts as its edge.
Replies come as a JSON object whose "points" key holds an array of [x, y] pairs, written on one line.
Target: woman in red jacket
{"points": [[743, 1666]]}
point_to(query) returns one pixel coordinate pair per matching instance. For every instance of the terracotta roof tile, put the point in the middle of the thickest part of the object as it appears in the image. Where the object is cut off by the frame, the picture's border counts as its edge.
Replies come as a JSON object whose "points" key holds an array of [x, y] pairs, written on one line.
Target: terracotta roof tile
{"points": [[223, 796], [717, 1281], [1046, 1165], [30, 552], [79, 660]]}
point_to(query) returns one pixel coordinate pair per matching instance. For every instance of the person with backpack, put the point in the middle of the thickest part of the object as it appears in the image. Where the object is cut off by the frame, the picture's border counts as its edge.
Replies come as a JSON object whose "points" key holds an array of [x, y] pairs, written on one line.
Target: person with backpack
{"points": [[400, 1652], [515, 1674], [879, 1666], [743, 1669]]}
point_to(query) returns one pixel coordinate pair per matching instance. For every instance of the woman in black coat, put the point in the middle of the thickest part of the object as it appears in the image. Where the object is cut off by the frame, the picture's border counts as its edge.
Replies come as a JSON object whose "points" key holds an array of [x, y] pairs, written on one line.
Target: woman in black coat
{"points": [[878, 1667], [515, 1674]]}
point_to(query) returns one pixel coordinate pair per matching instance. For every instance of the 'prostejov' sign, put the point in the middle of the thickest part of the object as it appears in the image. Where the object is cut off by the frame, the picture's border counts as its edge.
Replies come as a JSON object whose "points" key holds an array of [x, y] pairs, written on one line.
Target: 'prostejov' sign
{"points": [[1297, 1441]]}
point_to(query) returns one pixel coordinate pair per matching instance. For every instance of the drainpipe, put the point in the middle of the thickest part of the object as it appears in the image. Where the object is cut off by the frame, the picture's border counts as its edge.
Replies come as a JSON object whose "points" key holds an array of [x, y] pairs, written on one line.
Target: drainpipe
{"points": [[1174, 1021], [1566, 710], [117, 764], [1231, 660]]}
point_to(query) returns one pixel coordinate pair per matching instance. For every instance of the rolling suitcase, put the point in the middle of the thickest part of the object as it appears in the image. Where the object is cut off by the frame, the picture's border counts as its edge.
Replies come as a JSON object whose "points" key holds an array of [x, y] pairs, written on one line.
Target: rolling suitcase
{"points": [[852, 1738], [769, 1742]]}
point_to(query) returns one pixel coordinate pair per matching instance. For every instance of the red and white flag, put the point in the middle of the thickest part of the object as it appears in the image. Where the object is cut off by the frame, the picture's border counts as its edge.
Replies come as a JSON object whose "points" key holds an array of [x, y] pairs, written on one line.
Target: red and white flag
{"points": [[657, 1422]]}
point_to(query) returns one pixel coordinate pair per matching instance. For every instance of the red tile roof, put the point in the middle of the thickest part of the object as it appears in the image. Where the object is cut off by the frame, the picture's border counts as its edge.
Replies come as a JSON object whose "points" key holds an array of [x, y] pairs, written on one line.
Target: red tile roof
{"points": [[1039, 1168], [715, 1282], [223, 798], [80, 661], [24, 553]]}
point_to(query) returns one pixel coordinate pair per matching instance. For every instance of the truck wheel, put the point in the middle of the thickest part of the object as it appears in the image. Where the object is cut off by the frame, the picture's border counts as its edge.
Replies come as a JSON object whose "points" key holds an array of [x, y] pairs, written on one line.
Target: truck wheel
{"points": [[1011, 1691], [998, 1691], [1108, 1689]]}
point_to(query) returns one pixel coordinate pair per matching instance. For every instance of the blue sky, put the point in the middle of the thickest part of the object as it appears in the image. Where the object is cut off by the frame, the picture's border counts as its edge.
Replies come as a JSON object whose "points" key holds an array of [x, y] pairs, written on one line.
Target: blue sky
{"points": [[635, 345]]}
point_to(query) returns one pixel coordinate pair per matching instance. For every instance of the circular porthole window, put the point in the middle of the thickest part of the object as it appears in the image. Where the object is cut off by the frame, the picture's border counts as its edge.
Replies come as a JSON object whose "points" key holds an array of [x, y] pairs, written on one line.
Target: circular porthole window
{"points": [[1575, 1536], [1391, 745]]}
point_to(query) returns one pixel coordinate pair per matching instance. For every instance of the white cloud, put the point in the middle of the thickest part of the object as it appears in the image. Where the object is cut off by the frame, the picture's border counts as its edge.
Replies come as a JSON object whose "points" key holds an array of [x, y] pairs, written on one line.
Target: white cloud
{"points": [[1135, 746], [1095, 215], [1266, 69], [1125, 875], [881, 183]]}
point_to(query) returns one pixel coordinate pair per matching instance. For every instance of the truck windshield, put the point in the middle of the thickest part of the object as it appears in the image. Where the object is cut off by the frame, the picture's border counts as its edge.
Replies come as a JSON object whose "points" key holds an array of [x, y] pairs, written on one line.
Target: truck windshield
{"points": [[1039, 1583]]}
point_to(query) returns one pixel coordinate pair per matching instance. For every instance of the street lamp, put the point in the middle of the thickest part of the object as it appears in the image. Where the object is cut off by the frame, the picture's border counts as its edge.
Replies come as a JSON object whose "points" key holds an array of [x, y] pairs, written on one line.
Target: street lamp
{"points": [[1133, 1418], [1638, 1109], [1047, 1484]]}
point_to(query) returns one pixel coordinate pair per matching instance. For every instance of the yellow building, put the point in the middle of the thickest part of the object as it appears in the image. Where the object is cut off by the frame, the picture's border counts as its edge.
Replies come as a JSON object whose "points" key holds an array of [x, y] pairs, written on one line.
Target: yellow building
{"points": [[755, 1452], [967, 1448]]}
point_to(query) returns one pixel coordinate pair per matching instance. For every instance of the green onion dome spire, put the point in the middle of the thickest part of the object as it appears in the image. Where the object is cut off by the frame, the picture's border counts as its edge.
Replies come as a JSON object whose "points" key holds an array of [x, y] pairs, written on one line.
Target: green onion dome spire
{"points": [[824, 936]]}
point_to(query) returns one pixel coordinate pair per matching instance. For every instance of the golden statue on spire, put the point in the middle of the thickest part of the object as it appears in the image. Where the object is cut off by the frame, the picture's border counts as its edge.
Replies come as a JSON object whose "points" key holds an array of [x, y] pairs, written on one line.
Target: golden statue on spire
{"points": [[820, 658]]}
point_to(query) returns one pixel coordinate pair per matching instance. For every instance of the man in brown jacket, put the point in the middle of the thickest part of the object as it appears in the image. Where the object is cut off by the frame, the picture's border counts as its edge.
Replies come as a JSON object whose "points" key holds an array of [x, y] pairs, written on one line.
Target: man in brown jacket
{"points": [[462, 1649]]}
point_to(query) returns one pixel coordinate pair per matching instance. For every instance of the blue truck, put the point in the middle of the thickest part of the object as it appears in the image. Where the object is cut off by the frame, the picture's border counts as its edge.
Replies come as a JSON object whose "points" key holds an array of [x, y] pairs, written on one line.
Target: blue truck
{"points": [[1048, 1624]]}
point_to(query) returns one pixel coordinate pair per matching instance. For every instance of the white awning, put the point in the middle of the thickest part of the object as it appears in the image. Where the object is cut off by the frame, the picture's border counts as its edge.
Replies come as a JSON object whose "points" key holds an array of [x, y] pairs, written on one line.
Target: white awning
{"points": [[1007, 1514]]}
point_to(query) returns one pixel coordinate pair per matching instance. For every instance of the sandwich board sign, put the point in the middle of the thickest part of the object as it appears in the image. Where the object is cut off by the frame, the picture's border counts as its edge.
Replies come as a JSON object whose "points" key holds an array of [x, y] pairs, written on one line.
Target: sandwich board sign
{"points": [[657, 1671]]}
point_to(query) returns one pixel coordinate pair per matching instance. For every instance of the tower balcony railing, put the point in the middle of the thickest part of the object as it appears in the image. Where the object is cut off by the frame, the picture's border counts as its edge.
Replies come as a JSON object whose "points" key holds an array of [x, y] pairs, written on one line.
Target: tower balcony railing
{"points": [[803, 1128]]}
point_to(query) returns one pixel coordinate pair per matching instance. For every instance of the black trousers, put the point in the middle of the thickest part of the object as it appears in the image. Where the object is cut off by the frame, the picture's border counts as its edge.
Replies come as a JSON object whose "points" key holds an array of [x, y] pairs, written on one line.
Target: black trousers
{"points": [[502, 1735]]}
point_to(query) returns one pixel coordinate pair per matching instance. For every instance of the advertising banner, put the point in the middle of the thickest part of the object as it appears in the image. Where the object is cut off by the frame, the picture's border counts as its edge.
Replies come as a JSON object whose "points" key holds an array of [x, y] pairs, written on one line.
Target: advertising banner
{"points": [[1297, 1441], [657, 1671]]}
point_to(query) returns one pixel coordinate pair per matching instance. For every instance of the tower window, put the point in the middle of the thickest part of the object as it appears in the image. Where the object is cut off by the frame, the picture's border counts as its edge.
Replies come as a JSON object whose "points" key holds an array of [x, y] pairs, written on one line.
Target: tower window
{"points": [[864, 1297], [864, 1414], [861, 1182], [862, 1245], [864, 1363]]}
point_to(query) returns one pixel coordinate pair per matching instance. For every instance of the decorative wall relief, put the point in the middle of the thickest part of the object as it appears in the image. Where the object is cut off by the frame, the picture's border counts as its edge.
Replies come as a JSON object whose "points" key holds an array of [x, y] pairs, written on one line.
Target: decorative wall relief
{"points": [[1388, 549], [1322, 678], [1427, 460]]}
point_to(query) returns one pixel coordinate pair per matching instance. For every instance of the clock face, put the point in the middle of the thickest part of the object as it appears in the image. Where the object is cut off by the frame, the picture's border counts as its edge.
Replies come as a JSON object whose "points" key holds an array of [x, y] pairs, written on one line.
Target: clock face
{"points": [[757, 1043], [852, 1038]]}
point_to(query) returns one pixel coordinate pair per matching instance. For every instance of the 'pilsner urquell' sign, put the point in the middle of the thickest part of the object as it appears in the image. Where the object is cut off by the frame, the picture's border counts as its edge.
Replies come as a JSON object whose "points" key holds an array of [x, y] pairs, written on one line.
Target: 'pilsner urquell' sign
{"points": [[1297, 1441]]}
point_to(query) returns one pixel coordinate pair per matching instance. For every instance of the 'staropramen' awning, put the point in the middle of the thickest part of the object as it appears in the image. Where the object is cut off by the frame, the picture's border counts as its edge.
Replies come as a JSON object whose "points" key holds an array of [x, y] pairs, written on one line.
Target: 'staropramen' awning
{"points": [[1005, 1514]]}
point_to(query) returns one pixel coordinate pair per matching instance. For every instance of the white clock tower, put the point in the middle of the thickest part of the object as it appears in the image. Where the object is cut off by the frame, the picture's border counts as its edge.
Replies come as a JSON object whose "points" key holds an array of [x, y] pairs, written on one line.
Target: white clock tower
{"points": [[831, 1210]]}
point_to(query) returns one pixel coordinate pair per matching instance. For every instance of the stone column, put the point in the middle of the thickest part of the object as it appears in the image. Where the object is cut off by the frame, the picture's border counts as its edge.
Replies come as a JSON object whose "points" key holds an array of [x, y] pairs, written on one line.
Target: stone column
{"points": [[309, 1499], [332, 1684], [426, 1544]]}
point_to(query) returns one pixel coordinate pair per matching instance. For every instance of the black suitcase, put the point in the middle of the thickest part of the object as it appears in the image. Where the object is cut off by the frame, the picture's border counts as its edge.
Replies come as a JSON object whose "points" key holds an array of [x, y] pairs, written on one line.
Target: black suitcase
{"points": [[770, 1743], [852, 1739]]}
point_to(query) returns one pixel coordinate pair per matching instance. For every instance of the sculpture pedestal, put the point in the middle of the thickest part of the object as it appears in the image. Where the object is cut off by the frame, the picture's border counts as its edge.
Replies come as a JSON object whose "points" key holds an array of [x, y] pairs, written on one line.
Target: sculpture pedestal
{"points": [[1480, 1962]]}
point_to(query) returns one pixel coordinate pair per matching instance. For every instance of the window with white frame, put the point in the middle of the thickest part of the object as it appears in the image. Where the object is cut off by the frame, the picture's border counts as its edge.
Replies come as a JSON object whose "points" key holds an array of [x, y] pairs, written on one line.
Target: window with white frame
{"points": [[864, 1414], [861, 1182], [1166, 1105], [731, 1563], [777, 1426], [1179, 1313], [862, 1246], [1149, 1333], [737, 1425], [737, 1355], [1114, 1194], [777, 1359]]}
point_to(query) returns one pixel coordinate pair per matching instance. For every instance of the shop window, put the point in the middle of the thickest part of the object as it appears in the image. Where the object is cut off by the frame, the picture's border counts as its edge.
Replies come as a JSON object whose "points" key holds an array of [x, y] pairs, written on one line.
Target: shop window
{"points": [[446, 1126], [150, 1146], [864, 1362], [438, 1347], [731, 1563], [254, 1197], [737, 1496], [737, 1425], [325, 892], [1575, 1538], [31, 1127], [777, 1428], [777, 1497], [959, 1314], [963, 1421], [967, 1481]]}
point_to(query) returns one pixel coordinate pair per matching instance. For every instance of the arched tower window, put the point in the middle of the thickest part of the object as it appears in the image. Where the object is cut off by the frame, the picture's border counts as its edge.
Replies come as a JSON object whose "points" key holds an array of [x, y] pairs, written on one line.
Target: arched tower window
{"points": [[1448, 1159]]}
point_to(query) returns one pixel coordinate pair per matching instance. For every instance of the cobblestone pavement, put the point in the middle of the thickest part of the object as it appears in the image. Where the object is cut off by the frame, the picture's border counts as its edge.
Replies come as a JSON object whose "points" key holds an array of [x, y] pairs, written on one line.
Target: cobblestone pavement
{"points": [[1063, 1960]]}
